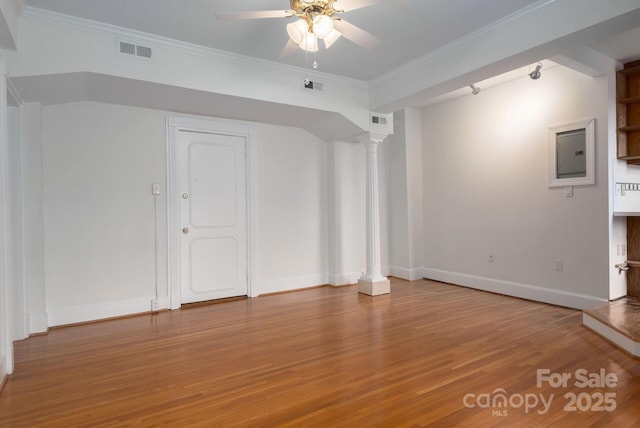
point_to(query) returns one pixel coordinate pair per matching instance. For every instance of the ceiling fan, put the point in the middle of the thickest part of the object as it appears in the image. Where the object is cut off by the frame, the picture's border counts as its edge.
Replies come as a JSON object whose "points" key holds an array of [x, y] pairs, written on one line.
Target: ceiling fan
{"points": [[318, 20]]}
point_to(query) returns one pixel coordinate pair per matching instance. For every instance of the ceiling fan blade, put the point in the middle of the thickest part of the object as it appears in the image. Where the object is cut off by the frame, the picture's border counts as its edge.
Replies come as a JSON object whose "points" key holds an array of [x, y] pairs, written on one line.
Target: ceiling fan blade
{"points": [[289, 50], [356, 34], [349, 5], [258, 14]]}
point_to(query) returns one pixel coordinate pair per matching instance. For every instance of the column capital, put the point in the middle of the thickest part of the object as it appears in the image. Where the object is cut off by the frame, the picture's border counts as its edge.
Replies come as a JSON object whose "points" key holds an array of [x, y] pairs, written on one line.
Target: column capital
{"points": [[372, 137]]}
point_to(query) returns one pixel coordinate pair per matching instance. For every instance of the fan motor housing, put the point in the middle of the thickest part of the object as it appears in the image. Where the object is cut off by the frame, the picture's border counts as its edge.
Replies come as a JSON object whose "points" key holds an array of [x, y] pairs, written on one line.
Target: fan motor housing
{"points": [[324, 7]]}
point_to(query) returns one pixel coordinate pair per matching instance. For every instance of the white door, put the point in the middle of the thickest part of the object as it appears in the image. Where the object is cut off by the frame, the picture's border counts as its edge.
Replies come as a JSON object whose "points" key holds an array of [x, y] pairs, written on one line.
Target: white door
{"points": [[213, 215]]}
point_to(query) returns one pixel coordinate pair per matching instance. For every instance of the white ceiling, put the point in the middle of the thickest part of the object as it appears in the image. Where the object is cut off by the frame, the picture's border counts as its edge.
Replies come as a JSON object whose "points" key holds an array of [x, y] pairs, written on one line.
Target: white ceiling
{"points": [[407, 29]]}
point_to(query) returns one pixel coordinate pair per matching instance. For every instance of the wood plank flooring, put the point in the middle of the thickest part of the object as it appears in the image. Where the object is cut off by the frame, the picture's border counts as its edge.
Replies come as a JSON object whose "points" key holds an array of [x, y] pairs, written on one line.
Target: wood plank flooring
{"points": [[429, 354]]}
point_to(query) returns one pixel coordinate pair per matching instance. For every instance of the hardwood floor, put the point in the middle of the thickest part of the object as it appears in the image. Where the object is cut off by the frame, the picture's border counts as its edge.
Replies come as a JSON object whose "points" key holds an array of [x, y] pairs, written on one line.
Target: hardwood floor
{"points": [[623, 315], [429, 354]]}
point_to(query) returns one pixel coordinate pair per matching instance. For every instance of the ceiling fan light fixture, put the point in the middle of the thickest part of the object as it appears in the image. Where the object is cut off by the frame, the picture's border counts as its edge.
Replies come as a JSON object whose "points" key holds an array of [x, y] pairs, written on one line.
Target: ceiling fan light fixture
{"points": [[332, 38], [297, 31], [322, 26], [309, 43], [316, 20]]}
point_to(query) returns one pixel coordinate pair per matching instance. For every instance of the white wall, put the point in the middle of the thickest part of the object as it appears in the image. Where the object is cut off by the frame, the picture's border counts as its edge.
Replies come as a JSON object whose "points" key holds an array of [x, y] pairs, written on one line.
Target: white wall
{"points": [[33, 221], [99, 163], [405, 196], [485, 189], [18, 303], [347, 212], [399, 252], [292, 228]]}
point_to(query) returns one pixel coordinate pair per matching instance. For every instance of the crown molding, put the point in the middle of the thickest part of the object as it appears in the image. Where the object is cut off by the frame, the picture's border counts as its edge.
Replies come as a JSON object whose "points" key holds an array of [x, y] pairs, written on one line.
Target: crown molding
{"points": [[19, 6], [532, 9], [13, 92], [55, 18]]}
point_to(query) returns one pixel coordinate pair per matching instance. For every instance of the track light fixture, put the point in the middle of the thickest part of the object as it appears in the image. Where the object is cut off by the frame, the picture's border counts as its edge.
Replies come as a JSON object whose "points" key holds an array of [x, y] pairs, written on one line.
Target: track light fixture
{"points": [[535, 74], [475, 90]]}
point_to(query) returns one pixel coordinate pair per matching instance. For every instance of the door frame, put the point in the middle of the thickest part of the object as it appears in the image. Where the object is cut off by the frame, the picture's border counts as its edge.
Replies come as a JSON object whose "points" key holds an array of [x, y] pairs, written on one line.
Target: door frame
{"points": [[176, 124]]}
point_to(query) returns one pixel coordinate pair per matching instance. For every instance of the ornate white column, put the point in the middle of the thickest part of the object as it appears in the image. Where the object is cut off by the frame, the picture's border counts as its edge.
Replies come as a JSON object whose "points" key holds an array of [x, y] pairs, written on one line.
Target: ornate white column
{"points": [[373, 283]]}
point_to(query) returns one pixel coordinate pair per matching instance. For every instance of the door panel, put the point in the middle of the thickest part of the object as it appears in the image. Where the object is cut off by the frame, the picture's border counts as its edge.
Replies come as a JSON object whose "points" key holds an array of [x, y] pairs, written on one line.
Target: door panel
{"points": [[213, 216], [213, 265], [213, 185]]}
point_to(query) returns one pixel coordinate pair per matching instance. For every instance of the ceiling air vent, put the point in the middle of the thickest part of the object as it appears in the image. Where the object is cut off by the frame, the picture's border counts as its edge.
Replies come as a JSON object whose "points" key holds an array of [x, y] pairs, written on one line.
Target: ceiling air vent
{"points": [[378, 120], [143, 51], [127, 48], [133, 49]]}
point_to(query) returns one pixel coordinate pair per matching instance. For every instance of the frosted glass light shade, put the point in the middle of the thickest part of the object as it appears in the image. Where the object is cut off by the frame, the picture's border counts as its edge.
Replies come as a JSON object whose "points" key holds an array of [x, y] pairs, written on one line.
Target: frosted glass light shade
{"points": [[331, 38], [297, 31], [309, 43], [322, 26]]}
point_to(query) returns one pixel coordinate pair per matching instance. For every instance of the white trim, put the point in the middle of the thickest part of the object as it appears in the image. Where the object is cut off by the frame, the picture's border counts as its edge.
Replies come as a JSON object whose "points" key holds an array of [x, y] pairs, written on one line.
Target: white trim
{"points": [[410, 274], [176, 124], [345, 278], [38, 323], [514, 289], [18, 271], [82, 313], [6, 293], [252, 209], [590, 153], [289, 284], [612, 335], [13, 93], [174, 299], [19, 6], [3, 371]]}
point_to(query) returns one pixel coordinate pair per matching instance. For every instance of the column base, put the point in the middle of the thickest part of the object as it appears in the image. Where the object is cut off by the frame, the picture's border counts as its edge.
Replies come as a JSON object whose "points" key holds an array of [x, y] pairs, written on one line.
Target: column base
{"points": [[374, 288]]}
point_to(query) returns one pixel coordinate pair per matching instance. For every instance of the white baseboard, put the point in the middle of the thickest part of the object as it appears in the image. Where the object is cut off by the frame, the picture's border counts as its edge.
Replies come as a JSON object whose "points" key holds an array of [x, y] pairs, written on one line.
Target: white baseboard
{"points": [[289, 284], [613, 336], [3, 369], [348, 278], [410, 274], [38, 323], [76, 314], [351, 278], [524, 291]]}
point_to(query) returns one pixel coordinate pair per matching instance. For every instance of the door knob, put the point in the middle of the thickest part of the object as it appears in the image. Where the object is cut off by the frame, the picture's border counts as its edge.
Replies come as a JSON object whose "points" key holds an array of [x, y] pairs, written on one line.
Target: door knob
{"points": [[185, 230]]}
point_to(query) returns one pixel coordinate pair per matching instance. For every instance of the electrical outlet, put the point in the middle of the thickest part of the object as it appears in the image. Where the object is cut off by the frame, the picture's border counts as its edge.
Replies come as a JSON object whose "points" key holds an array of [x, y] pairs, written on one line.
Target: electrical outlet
{"points": [[559, 266], [155, 305]]}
